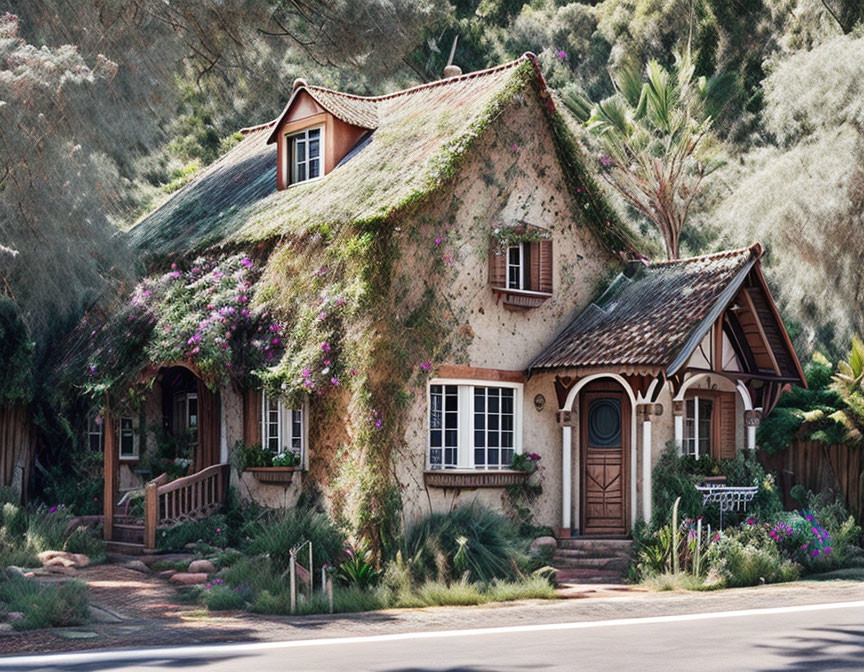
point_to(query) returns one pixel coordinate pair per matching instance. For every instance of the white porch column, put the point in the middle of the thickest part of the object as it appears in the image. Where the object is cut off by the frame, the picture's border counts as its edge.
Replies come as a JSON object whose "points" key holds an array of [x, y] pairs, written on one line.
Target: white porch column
{"points": [[752, 423], [566, 478], [223, 438], [646, 468], [678, 415]]}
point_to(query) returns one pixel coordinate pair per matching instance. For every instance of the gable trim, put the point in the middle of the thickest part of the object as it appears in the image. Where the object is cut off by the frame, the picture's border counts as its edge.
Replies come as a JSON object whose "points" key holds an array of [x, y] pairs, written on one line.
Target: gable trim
{"points": [[713, 315]]}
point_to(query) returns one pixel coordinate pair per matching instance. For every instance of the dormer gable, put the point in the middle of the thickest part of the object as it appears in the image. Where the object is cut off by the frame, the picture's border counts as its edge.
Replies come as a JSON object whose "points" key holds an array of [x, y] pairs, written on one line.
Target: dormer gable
{"points": [[316, 130]]}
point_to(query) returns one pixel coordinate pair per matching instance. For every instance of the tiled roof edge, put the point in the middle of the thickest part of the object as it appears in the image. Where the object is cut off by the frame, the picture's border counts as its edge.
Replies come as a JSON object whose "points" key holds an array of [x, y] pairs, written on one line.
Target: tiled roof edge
{"points": [[755, 249], [387, 96]]}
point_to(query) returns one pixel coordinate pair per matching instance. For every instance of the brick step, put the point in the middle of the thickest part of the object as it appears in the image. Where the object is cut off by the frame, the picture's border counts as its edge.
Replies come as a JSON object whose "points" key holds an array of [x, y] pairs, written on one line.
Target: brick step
{"points": [[567, 577], [610, 564], [591, 553], [123, 548], [128, 533], [594, 542]]}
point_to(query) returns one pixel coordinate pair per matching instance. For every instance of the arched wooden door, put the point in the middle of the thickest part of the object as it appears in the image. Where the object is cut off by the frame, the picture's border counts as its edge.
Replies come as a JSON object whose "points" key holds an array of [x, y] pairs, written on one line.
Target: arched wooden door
{"points": [[604, 442]]}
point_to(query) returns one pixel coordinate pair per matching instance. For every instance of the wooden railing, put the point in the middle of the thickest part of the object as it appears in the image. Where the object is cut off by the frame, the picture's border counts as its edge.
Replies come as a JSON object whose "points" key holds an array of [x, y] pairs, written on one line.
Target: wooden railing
{"points": [[189, 498]]}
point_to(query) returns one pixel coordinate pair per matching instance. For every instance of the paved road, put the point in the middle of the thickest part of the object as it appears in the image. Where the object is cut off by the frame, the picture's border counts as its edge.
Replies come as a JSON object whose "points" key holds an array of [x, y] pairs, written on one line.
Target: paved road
{"points": [[805, 637]]}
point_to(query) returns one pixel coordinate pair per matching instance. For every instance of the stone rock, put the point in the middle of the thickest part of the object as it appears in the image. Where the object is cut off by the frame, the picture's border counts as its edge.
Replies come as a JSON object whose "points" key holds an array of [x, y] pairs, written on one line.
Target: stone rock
{"points": [[13, 616], [138, 566], [201, 567], [61, 569], [56, 558], [167, 574], [5, 628], [17, 571], [59, 562], [166, 557], [543, 542], [188, 579]]}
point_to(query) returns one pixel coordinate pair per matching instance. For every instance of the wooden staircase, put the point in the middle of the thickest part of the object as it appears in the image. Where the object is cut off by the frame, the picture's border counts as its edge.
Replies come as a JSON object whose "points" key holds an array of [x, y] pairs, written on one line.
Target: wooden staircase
{"points": [[592, 560], [167, 504]]}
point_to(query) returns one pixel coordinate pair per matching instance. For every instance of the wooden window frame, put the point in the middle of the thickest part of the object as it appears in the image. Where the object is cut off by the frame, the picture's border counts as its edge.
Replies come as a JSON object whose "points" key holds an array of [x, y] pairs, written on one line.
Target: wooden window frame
{"points": [[717, 438], [535, 286], [290, 154], [465, 424]]}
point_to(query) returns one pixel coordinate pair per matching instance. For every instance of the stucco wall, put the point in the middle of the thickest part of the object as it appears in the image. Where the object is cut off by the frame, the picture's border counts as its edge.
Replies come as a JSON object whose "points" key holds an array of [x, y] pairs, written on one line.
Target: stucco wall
{"points": [[513, 177]]}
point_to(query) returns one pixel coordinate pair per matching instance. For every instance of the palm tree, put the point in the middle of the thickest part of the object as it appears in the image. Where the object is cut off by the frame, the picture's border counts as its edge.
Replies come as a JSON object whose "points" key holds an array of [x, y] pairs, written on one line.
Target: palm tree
{"points": [[848, 383], [653, 130]]}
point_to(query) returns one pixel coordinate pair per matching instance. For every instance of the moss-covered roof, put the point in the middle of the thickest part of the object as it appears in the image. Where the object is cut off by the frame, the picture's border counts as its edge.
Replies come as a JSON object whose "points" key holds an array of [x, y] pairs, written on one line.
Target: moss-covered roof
{"points": [[420, 137]]}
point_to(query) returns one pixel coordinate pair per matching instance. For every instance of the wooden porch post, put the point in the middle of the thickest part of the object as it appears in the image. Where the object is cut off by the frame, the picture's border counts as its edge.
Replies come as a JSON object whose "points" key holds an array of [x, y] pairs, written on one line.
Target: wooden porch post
{"points": [[111, 465]]}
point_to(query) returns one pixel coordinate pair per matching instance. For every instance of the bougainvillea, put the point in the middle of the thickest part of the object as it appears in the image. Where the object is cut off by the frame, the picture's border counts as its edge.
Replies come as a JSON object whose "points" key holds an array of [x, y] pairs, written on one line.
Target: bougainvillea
{"points": [[202, 315]]}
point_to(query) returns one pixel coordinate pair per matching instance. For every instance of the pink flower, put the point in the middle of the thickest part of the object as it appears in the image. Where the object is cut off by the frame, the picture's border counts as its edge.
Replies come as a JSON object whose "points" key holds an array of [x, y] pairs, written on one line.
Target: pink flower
{"points": [[561, 54], [514, 147], [227, 365], [438, 241], [218, 530], [276, 341], [92, 369], [379, 422], [340, 301], [425, 366], [326, 362], [354, 372], [605, 161], [334, 381], [247, 262], [174, 275], [305, 372], [447, 259], [325, 346], [322, 316], [196, 350]]}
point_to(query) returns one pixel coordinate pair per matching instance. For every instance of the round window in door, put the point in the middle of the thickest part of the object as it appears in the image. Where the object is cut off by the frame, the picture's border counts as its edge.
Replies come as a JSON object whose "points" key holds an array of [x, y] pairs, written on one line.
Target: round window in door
{"points": [[604, 422]]}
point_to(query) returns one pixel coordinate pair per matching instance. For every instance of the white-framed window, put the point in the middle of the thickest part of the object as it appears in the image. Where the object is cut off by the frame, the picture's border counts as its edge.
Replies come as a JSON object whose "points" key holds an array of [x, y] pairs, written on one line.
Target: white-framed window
{"points": [[127, 437], [697, 426], [474, 424], [305, 155], [516, 266], [283, 429], [95, 432]]}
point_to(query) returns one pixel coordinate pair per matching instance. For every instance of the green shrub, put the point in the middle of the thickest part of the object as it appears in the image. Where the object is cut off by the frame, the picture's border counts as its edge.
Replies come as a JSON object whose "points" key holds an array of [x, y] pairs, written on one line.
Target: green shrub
{"points": [[469, 539], [277, 534], [530, 588], [357, 568], [749, 564], [222, 598], [87, 541], [212, 530], [44, 605], [46, 528]]}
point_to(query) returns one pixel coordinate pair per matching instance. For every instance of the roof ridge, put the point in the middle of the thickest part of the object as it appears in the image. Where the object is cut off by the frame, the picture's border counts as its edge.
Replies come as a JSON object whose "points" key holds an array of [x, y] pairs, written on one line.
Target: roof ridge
{"points": [[527, 56], [755, 248]]}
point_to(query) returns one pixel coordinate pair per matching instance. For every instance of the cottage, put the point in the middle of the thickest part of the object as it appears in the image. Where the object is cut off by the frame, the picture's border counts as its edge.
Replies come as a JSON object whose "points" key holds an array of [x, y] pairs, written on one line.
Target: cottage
{"points": [[396, 296]]}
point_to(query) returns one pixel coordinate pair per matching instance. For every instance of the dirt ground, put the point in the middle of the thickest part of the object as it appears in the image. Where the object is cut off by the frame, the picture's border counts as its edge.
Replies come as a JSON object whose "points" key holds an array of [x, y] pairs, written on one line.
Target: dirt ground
{"points": [[147, 612]]}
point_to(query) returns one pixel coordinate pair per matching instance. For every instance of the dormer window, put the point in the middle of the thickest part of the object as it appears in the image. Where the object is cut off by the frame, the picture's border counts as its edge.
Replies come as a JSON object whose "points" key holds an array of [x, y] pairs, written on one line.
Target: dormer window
{"points": [[305, 154]]}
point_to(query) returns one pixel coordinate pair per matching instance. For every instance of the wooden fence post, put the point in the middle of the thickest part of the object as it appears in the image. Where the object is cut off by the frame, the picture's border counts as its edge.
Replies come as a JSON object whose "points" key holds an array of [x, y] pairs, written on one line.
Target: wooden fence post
{"points": [[151, 515]]}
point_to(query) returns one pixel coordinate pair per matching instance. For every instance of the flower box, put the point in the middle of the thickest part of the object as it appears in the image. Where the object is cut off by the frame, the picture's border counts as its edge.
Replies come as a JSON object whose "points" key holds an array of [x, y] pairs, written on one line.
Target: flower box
{"points": [[447, 478], [273, 474]]}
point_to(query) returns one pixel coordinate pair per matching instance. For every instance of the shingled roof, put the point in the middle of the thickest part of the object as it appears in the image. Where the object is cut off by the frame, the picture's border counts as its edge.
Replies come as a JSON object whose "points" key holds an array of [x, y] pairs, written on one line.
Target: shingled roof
{"points": [[653, 317], [417, 138]]}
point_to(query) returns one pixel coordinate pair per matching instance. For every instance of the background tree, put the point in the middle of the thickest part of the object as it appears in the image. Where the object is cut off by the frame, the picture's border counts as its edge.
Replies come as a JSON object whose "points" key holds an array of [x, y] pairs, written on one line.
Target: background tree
{"points": [[653, 130]]}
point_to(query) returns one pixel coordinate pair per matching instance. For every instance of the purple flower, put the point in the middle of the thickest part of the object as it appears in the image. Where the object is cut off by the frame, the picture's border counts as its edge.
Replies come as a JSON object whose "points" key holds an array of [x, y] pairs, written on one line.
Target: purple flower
{"points": [[53, 509], [174, 275], [322, 316], [334, 381], [514, 147], [218, 530], [247, 262], [92, 369], [439, 240], [325, 346], [751, 521], [605, 161], [305, 372], [561, 54], [425, 366]]}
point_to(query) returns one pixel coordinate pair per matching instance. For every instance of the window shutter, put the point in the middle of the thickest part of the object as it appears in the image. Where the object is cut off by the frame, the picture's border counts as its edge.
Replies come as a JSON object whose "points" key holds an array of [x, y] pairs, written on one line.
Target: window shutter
{"points": [[252, 417], [533, 252], [544, 261], [498, 266], [725, 445]]}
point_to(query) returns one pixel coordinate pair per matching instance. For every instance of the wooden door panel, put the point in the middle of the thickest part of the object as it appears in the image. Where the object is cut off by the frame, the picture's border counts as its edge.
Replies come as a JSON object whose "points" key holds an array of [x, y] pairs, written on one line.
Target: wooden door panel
{"points": [[604, 470]]}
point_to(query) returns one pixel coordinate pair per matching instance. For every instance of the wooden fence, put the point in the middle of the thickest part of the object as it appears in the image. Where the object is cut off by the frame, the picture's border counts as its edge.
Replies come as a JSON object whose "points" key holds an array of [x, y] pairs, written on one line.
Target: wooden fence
{"points": [[817, 467]]}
